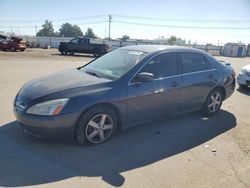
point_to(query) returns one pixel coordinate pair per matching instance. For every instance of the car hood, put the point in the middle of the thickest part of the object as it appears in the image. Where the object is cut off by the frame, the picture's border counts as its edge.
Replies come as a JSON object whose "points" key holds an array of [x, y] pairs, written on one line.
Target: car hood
{"points": [[57, 82]]}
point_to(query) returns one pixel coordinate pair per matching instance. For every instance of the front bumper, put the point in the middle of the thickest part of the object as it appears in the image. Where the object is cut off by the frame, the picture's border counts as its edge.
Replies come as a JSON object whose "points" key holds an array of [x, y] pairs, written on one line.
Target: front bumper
{"points": [[243, 79], [49, 127]]}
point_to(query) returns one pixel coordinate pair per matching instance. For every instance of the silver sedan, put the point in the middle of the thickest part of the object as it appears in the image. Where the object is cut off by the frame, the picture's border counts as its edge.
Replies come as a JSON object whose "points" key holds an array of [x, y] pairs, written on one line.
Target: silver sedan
{"points": [[243, 78]]}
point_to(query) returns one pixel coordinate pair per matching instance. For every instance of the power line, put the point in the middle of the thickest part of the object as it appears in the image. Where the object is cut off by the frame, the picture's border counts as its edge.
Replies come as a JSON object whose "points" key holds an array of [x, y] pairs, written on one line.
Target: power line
{"points": [[32, 26], [179, 20], [154, 30], [110, 19], [57, 19], [181, 26], [131, 17]]}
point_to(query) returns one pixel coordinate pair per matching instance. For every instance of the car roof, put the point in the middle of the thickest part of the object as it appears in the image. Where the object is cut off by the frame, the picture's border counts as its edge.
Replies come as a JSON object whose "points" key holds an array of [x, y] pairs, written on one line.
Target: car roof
{"points": [[159, 48]]}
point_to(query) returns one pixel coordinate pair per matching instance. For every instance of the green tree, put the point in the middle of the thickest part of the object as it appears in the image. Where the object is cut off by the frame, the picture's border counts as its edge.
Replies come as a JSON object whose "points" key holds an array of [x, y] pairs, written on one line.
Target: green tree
{"points": [[57, 34], [125, 37], [90, 33], [47, 29], [69, 30], [172, 40]]}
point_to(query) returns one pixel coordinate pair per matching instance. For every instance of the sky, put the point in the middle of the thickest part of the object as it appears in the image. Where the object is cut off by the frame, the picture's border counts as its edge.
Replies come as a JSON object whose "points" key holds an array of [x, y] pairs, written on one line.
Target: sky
{"points": [[210, 21]]}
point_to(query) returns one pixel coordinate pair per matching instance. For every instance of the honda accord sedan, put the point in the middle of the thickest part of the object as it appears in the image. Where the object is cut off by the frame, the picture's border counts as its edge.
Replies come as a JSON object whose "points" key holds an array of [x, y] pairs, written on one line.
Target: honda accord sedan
{"points": [[123, 88]]}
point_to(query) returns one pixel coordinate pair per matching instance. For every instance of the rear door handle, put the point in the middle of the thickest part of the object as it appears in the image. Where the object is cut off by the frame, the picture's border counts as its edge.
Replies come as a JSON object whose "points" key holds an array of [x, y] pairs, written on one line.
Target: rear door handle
{"points": [[174, 84]]}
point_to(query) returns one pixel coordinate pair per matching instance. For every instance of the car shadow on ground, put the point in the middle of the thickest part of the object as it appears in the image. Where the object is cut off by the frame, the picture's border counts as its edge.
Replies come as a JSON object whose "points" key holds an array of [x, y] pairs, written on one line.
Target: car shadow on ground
{"points": [[76, 55], [245, 91], [25, 160]]}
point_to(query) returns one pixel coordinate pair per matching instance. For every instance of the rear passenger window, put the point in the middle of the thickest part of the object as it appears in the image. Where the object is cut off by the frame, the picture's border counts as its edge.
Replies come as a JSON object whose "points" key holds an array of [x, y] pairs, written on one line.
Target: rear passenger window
{"points": [[192, 62], [163, 65], [83, 41]]}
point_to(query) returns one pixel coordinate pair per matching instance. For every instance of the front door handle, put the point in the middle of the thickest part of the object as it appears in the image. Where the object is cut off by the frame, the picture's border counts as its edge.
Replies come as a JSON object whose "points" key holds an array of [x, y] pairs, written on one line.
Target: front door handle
{"points": [[174, 84], [210, 76]]}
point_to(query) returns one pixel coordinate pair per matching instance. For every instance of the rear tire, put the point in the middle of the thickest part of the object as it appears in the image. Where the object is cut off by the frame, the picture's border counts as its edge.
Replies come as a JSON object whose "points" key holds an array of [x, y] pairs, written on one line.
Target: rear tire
{"points": [[96, 126], [213, 102]]}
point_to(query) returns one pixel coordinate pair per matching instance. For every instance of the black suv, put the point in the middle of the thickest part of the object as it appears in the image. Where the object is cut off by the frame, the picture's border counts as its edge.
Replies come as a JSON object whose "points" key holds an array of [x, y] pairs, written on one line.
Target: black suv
{"points": [[83, 45]]}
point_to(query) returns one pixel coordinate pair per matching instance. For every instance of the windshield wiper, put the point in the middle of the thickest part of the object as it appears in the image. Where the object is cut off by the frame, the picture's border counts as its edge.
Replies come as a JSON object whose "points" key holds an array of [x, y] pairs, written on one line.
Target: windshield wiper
{"points": [[93, 74]]}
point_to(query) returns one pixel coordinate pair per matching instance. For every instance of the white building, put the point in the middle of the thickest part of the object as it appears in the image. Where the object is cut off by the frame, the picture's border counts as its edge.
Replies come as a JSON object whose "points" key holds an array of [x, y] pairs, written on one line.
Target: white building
{"points": [[235, 50], [248, 50]]}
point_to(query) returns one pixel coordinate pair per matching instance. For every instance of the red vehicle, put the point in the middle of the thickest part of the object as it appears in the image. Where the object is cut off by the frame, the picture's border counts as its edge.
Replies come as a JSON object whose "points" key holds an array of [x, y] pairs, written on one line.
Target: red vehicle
{"points": [[12, 44]]}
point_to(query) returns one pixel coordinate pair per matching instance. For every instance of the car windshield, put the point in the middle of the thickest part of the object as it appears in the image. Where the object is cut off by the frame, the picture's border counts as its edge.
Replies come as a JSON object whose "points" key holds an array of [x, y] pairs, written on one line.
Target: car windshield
{"points": [[114, 64]]}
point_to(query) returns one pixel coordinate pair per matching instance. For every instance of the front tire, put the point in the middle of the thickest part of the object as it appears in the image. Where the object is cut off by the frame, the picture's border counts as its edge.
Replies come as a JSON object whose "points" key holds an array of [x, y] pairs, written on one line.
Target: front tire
{"points": [[64, 51], [96, 126], [96, 53], [213, 102]]}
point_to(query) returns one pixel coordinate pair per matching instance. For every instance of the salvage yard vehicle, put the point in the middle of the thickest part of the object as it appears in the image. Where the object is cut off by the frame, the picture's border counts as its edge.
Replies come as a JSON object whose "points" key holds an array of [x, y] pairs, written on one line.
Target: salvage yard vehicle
{"points": [[243, 78], [13, 44], [123, 88], [83, 45]]}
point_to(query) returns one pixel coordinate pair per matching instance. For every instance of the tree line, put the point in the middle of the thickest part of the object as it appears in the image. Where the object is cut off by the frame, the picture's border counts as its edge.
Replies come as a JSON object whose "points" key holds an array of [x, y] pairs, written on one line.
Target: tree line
{"points": [[69, 30], [66, 30]]}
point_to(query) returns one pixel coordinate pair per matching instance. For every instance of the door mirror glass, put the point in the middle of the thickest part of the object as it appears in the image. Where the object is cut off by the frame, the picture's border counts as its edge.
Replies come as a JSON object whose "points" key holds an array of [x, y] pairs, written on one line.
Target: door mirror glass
{"points": [[143, 77]]}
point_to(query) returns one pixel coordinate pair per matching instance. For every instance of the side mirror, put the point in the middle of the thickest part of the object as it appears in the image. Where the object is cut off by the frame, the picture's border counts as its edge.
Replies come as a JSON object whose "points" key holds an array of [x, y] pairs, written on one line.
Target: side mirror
{"points": [[143, 77]]}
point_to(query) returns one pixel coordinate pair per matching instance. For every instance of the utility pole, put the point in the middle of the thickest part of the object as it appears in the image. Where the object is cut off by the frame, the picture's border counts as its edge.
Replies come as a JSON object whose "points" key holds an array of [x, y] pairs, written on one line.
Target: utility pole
{"points": [[18, 30], [36, 29], [110, 19]]}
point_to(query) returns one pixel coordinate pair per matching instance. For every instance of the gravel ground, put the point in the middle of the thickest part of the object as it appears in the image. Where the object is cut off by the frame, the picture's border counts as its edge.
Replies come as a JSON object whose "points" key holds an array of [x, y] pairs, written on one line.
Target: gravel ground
{"points": [[186, 151]]}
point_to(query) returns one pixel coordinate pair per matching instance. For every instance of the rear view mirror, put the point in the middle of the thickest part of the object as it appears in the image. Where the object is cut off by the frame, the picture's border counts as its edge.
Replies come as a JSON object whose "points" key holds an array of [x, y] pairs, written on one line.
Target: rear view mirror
{"points": [[143, 77]]}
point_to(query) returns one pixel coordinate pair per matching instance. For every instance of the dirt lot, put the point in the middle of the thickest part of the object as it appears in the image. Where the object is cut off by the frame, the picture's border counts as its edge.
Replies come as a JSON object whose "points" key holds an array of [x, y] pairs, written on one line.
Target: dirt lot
{"points": [[187, 151]]}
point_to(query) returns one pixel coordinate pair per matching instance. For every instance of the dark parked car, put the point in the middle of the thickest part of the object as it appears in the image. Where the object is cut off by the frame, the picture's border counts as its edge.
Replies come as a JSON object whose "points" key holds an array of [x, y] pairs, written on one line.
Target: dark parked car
{"points": [[83, 45], [120, 89]]}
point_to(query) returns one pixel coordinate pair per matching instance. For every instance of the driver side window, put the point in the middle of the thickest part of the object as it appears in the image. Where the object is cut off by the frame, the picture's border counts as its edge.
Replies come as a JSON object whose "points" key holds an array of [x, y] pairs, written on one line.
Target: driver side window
{"points": [[162, 66]]}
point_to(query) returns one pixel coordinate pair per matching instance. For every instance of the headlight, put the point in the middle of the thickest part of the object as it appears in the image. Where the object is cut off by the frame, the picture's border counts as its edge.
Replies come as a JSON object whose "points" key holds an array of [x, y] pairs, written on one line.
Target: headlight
{"points": [[53, 107]]}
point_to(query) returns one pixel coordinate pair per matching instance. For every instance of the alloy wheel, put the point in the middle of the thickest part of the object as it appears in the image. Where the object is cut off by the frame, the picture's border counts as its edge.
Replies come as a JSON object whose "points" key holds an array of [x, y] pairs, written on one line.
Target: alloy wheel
{"points": [[99, 128], [214, 102]]}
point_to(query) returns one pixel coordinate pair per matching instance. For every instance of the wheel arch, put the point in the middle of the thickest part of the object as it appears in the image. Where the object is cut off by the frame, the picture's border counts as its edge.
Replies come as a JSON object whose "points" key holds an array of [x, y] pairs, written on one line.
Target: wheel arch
{"points": [[223, 90]]}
